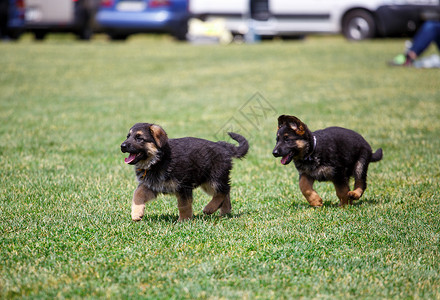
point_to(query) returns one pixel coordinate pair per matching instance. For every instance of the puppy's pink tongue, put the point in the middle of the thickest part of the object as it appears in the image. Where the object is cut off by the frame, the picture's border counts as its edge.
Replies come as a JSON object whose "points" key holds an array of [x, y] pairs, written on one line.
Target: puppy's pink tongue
{"points": [[130, 158], [284, 159]]}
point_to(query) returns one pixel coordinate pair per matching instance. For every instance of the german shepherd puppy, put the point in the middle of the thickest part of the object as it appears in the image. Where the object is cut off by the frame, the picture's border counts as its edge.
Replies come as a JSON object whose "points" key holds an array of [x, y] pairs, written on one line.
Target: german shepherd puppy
{"points": [[177, 166], [331, 154]]}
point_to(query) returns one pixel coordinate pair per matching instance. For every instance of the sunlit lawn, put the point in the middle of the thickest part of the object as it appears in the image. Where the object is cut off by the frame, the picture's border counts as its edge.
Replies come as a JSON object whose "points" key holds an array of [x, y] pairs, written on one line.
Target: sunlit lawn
{"points": [[65, 192]]}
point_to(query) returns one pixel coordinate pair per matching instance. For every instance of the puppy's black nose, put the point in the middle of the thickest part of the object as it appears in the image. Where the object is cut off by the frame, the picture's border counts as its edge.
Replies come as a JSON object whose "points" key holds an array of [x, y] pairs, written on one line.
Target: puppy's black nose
{"points": [[124, 147], [275, 152]]}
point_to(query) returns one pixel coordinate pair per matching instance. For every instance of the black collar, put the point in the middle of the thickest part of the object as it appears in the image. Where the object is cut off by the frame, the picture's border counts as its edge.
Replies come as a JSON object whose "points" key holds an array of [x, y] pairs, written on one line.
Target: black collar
{"points": [[140, 171]]}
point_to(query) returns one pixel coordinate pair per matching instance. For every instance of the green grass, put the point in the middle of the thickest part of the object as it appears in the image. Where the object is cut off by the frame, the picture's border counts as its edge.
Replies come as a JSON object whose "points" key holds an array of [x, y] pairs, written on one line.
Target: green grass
{"points": [[65, 192]]}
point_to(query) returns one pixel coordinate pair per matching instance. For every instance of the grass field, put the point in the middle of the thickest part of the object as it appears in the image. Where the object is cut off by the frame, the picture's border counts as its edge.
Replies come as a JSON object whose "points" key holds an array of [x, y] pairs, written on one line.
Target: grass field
{"points": [[65, 192]]}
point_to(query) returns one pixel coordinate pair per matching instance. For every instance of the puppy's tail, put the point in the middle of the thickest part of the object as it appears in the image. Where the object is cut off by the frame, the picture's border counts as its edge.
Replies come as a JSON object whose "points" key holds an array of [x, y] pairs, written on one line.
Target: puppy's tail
{"points": [[377, 155], [243, 145]]}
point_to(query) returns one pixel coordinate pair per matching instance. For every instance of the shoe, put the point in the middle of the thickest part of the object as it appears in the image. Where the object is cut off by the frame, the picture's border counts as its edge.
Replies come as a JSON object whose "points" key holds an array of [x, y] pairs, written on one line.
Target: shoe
{"points": [[401, 60], [428, 62]]}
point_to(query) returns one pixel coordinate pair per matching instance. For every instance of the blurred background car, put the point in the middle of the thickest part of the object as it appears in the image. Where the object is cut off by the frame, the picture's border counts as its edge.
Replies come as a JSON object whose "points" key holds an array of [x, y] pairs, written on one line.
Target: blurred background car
{"points": [[41, 17], [44, 16], [11, 18], [121, 18], [355, 19]]}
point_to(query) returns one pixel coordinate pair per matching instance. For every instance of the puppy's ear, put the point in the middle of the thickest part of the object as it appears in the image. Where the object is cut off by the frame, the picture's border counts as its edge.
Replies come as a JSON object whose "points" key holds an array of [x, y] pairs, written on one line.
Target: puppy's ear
{"points": [[293, 122], [159, 135]]}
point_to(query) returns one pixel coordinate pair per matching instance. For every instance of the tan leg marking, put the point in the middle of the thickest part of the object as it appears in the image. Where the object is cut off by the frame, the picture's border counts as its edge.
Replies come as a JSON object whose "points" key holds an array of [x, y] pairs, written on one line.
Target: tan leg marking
{"points": [[184, 204], [226, 206], [215, 203], [342, 193], [140, 197], [359, 187], [356, 194], [306, 187], [360, 181]]}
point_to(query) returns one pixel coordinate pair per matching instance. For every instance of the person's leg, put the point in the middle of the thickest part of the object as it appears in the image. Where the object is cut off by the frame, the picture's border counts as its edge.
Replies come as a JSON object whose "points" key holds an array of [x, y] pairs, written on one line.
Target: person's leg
{"points": [[437, 38], [429, 32]]}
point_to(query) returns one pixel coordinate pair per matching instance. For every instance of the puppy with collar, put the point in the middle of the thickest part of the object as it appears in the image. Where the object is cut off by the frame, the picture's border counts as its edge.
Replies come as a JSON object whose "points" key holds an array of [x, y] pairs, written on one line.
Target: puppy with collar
{"points": [[332, 154], [178, 166]]}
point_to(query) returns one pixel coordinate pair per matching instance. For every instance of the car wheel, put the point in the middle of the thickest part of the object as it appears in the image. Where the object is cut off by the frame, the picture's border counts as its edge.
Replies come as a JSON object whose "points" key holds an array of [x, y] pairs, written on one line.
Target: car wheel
{"points": [[118, 36], [359, 25], [85, 31], [14, 34], [180, 31], [85, 34], [40, 35]]}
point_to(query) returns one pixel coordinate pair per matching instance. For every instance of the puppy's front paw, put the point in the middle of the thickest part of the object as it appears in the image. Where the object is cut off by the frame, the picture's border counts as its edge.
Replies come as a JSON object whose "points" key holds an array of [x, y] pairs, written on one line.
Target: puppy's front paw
{"points": [[353, 195], [183, 219], [137, 214], [315, 202], [136, 219]]}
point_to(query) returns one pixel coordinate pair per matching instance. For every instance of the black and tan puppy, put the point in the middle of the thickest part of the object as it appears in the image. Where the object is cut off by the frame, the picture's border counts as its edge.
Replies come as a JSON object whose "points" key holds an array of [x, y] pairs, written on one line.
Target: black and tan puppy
{"points": [[177, 166], [332, 154]]}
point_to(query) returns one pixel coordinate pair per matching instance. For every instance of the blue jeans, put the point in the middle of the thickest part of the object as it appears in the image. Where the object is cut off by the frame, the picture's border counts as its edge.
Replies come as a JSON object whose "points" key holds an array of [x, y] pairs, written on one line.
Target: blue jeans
{"points": [[429, 32]]}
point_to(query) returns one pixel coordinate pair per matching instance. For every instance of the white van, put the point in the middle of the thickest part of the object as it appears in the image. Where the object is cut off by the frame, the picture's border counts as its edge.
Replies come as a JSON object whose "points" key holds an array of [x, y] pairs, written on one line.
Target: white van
{"points": [[44, 16], [356, 19]]}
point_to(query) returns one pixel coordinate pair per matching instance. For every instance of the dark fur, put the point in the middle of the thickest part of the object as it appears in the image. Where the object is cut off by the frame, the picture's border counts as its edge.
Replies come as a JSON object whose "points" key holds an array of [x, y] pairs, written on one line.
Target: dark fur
{"points": [[337, 155], [177, 166]]}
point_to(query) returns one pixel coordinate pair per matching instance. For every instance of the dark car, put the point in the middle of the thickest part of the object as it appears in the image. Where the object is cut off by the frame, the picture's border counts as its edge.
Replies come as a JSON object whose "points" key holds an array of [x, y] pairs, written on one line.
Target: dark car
{"points": [[120, 18], [12, 14]]}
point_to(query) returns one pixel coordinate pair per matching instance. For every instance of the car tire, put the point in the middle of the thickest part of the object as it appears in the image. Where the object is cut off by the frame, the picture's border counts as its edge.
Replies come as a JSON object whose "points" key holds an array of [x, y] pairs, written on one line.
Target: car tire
{"points": [[85, 31], [118, 36], [40, 35], [14, 34], [359, 25], [85, 34], [181, 30]]}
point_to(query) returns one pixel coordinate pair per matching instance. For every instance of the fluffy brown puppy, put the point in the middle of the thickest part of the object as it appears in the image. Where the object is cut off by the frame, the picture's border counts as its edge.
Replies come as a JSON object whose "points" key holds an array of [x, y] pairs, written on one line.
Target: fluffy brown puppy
{"points": [[178, 166], [332, 154]]}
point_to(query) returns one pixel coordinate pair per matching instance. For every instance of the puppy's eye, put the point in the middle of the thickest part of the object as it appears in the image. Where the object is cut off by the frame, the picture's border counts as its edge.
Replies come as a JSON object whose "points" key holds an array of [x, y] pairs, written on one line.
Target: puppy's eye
{"points": [[138, 138], [286, 138]]}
